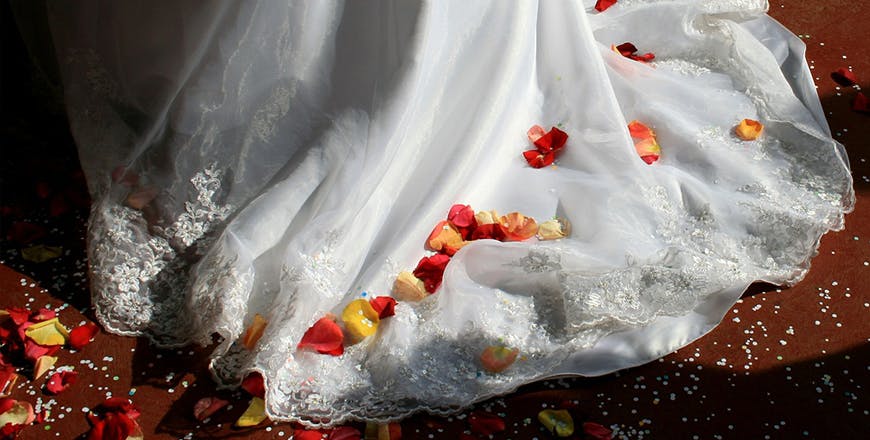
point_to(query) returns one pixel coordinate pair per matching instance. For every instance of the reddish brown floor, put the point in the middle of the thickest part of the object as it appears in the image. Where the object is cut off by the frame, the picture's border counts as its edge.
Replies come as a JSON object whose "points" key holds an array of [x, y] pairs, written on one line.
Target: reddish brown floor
{"points": [[783, 364]]}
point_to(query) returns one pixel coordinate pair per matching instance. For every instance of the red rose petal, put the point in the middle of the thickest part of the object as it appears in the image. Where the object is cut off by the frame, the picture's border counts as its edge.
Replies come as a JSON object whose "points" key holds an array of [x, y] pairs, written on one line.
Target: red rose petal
{"points": [[861, 103], [205, 407], [626, 49], [324, 337], [6, 404], [384, 305], [492, 231], [19, 316], [120, 405], [254, 385], [60, 381], [596, 431], [485, 423], [43, 315], [82, 335], [554, 140], [462, 217], [844, 77], [307, 435], [33, 351], [536, 159], [344, 433], [430, 270], [629, 50], [602, 5]]}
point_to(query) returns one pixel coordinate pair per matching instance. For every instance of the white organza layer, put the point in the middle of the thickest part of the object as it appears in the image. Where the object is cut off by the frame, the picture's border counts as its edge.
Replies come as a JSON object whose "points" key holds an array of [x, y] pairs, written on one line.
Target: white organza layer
{"points": [[302, 152]]}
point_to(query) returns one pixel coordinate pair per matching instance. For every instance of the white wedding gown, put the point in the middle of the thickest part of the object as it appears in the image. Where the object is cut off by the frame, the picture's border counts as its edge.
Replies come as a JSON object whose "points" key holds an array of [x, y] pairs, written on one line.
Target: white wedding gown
{"points": [[299, 153]]}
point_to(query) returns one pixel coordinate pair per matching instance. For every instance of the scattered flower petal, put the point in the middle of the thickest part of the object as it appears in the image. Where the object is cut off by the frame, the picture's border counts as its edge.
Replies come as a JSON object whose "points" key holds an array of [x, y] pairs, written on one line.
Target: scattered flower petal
{"points": [[254, 332], [748, 129], [629, 50], [142, 197], [486, 217], [383, 431], [558, 421], [536, 159], [385, 306], [496, 359], [34, 351], [8, 379], [602, 5], [554, 229], [462, 218], [595, 431], [645, 142], [407, 287], [344, 433], [492, 231], [844, 77], [648, 150], [60, 381], [308, 435], [207, 406], [124, 176], [50, 332], [552, 141], [431, 271], [484, 423], [535, 133], [17, 412], [82, 335], [517, 227], [254, 415], [43, 364], [254, 385], [324, 337], [360, 319], [40, 253], [445, 238], [860, 103]]}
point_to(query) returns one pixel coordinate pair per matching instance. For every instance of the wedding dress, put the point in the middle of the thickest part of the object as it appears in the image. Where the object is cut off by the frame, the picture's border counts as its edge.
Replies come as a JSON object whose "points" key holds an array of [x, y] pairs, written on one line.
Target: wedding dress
{"points": [[286, 158]]}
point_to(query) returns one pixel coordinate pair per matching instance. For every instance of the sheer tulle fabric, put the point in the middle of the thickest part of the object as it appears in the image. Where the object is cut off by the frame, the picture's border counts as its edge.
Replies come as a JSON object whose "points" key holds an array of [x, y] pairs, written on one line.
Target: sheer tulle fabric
{"points": [[299, 153]]}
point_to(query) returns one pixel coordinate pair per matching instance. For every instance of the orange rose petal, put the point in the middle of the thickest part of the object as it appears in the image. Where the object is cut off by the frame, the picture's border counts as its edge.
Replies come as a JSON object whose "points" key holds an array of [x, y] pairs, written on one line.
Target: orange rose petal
{"points": [[496, 359], [254, 332], [445, 238], [517, 227], [640, 131], [748, 129]]}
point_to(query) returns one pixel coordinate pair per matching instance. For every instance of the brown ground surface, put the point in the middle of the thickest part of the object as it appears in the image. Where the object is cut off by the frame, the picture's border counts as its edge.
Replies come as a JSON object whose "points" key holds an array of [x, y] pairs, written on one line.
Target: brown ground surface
{"points": [[783, 364]]}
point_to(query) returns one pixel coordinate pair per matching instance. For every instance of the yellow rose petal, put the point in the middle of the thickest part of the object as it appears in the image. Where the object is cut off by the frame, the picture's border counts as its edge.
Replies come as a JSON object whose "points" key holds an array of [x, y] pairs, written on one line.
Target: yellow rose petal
{"points": [[21, 413], [360, 319], [496, 359], [41, 253], [50, 332], [409, 288], [554, 229], [42, 365], [254, 415], [486, 217], [559, 421], [749, 129]]}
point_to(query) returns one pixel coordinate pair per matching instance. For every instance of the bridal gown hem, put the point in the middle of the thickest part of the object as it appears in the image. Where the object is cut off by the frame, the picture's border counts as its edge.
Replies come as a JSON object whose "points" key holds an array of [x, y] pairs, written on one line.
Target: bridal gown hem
{"points": [[284, 159]]}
